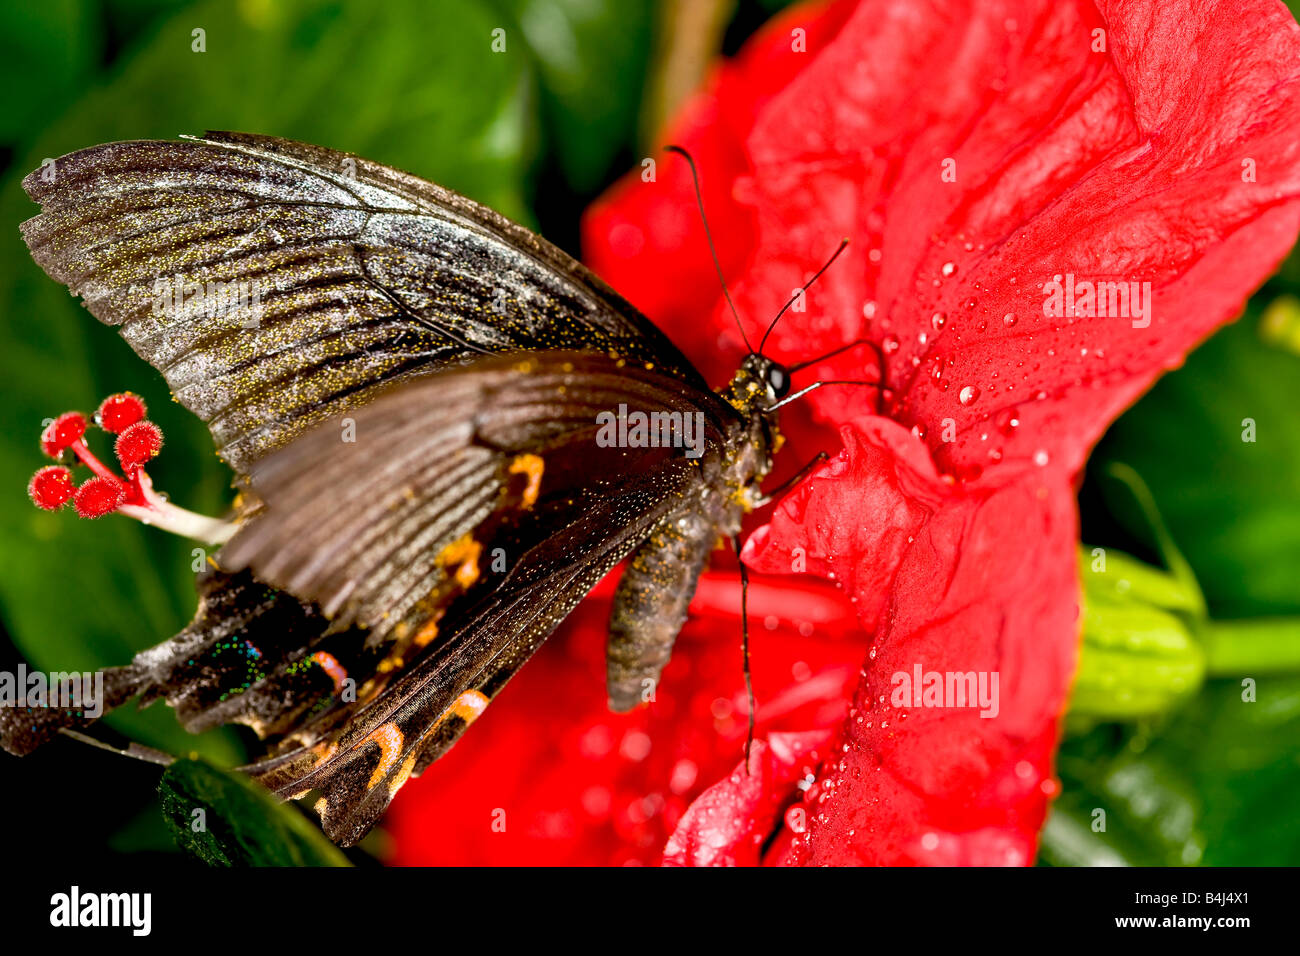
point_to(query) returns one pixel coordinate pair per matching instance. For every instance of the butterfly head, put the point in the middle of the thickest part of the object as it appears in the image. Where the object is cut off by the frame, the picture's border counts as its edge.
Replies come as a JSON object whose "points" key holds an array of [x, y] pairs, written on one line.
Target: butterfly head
{"points": [[757, 384]]}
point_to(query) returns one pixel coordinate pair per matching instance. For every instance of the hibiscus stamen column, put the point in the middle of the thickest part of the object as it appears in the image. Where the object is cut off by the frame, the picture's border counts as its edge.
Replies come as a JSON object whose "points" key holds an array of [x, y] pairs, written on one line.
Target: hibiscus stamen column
{"points": [[131, 493]]}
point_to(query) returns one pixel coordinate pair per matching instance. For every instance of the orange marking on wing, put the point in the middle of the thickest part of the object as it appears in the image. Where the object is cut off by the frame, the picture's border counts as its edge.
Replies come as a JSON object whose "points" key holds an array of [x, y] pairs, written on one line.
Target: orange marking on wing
{"points": [[532, 466], [403, 775], [389, 739], [463, 553], [324, 750], [467, 707], [330, 665], [429, 631]]}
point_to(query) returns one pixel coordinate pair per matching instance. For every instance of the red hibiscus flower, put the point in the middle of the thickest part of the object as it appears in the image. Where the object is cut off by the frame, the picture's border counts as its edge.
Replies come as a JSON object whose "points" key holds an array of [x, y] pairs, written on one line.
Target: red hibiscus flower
{"points": [[1049, 203]]}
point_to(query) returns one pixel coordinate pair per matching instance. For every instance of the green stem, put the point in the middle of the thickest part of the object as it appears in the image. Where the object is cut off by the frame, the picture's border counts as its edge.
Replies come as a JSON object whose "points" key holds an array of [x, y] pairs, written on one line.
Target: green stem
{"points": [[1245, 648]]}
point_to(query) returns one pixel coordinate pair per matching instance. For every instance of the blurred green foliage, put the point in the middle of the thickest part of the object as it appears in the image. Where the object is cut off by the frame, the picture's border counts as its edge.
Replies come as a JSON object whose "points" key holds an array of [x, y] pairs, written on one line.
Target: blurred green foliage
{"points": [[1211, 778], [1183, 775]]}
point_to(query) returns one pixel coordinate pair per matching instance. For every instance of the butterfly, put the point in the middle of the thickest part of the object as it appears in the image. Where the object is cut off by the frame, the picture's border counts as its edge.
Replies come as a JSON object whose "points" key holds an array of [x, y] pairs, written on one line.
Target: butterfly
{"points": [[426, 409]]}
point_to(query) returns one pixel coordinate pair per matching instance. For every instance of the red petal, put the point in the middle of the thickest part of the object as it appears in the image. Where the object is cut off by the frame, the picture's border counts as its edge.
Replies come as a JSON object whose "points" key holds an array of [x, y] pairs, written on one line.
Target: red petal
{"points": [[1124, 165], [886, 482], [579, 785], [730, 822], [989, 586]]}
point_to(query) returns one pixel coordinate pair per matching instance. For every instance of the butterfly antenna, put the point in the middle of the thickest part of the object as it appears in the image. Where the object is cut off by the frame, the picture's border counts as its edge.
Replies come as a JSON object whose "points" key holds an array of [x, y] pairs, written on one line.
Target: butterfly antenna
{"points": [[744, 647], [133, 750], [699, 201], [844, 244]]}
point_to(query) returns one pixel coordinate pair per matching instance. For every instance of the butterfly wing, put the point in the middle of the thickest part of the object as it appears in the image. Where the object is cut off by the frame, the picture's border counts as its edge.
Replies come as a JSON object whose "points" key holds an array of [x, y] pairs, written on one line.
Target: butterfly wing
{"points": [[500, 457], [440, 329], [277, 284]]}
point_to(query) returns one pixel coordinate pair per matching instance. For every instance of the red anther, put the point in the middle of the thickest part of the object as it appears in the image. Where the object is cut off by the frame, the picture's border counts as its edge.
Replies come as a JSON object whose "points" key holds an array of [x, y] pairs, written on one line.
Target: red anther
{"points": [[51, 487], [99, 497], [137, 444], [119, 412], [62, 432]]}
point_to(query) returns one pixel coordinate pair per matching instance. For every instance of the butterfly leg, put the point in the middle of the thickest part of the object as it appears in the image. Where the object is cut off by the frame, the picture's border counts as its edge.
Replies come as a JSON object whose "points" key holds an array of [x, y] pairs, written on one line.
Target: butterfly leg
{"points": [[650, 605], [793, 480]]}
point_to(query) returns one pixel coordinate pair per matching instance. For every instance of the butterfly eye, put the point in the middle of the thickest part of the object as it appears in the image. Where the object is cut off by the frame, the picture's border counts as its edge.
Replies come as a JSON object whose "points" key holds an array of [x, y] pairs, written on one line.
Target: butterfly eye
{"points": [[778, 380]]}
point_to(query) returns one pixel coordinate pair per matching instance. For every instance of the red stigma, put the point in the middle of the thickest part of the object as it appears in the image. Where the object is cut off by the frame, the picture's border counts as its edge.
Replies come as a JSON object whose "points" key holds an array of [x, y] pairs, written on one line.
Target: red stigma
{"points": [[51, 488], [106, 491], [137, 444], [99, 496], [62, 432], [119, 412], [130, 493]]}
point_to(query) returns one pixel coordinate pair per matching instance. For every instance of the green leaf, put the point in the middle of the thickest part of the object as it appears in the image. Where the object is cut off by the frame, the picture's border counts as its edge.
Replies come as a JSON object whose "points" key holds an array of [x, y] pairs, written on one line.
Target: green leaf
{"points": [[1232, 505], [411, 84], [591, 56], [53, 40], [224, 819], [1215, 785]]}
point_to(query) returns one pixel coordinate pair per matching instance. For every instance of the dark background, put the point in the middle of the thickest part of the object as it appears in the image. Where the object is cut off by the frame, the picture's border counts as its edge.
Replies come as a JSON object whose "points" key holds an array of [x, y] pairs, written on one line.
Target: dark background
{"points": [[537, 133]]}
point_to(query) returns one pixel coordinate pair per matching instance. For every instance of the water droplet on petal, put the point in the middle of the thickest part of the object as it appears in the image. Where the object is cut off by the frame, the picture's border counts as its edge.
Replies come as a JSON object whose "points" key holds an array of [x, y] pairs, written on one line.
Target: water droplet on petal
{"points": [[939, 320], [1007, 420], [968, 394], [948, 268], [869, 310], [1009, 319], [1040, 458], [890, 344]]}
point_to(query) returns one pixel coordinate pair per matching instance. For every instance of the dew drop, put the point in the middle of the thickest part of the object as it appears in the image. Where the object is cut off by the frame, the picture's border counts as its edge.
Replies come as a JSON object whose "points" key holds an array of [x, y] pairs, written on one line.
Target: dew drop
{"points": [[947, 269], [890, 344], [1007, 421], [869, 310], [1009, 319], [939, 320], [968, 394], [1040, 458]]}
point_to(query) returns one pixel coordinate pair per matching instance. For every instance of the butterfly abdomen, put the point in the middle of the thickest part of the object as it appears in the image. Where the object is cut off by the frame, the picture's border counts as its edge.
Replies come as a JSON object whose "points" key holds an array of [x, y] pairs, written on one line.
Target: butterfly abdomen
{"points": [[651, 601]]}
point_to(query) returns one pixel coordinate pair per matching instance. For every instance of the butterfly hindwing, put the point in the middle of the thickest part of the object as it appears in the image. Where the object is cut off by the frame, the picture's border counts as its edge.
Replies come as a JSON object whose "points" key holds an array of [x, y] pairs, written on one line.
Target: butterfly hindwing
{"points": [[581, 508]]}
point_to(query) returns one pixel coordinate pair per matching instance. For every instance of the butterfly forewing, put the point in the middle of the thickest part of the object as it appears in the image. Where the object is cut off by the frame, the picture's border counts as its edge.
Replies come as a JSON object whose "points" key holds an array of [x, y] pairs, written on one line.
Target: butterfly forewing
{"points": [[276, 284]]}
